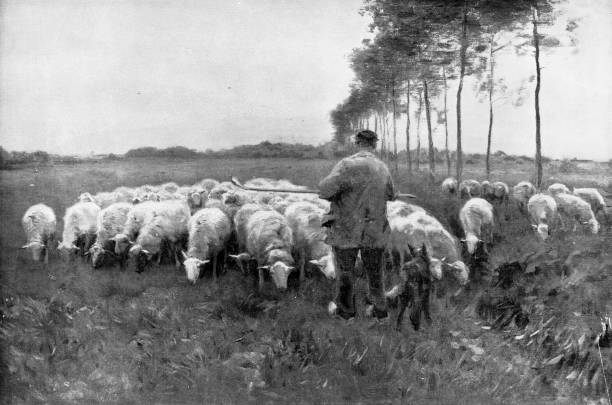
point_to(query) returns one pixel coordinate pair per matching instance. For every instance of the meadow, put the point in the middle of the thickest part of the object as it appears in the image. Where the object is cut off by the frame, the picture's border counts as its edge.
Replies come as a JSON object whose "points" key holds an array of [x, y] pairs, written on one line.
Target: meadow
{"points": [[72, 334]]}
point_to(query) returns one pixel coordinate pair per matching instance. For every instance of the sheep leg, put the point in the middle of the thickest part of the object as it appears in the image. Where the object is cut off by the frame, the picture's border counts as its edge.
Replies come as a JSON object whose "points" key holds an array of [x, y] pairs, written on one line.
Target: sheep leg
{"points": [[261, 280], [302, 264], [402, 308], [46, 255], [214, 267]]}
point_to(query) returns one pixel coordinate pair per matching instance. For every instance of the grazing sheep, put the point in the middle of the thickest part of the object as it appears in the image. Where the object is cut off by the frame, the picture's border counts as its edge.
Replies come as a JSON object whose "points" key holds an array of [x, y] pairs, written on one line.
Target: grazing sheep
{"points": [[575, 208], [557, 188], [420, 228], [476, 218], [269, 241], [304, 219], [449, 185], [522, 192], [111, 221], [233, 200], [217, 191], [170, 187], [80, 223], [103, 199], [241, 219], [496, 192], [124, 194], [207, 184], [166, 223], [414, 289], [209, 231], [402, 209], [542, 210], [593, 197], [39, 226], [469, 189], [135, 220]]}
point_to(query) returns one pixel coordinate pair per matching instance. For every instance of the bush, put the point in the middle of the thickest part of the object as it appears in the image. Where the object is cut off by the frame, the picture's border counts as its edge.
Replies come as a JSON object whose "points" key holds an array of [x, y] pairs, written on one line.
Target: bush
{"points": [[567, 166]]}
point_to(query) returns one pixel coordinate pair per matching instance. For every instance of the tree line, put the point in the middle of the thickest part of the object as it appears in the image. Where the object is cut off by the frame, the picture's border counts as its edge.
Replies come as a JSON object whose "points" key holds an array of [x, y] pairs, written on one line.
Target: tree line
{"points": [[418, 48]]}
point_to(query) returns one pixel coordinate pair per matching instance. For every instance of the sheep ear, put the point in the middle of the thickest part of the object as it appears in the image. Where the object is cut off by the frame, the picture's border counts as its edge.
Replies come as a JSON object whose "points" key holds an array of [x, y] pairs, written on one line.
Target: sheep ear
{"points": [[87, 253], [315, 262], [463, 240], [184, 255], [290, 269], [25, 246], [203, 262], [264, 267]]}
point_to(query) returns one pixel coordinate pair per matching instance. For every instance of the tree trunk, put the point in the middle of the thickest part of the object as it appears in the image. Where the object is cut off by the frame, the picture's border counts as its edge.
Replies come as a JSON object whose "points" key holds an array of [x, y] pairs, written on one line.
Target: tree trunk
{"points": [[488, 158], [430, 145], [408, 157], [462, 63], [418, 132], [536, 42], [448, 160], [394, 129]]}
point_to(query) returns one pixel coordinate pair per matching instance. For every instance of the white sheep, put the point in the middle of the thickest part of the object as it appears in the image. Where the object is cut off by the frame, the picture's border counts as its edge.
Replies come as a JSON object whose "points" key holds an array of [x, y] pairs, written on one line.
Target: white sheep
{"points": [[402, 209], [111, 221], [575, 208], [196, 198], [209, 231], [85, 197], [476, 218], [135, 220], [558, 188], [270, 241], [124, 194], [217, 191], [207, 184], [39, 226], [470, 188], [166, 223], [170, 187], [103, 199], [542, 210], [80, 223], [497, 191], [304, 219], [522, 192], [449, 185], [420, 228], [593, 197]]}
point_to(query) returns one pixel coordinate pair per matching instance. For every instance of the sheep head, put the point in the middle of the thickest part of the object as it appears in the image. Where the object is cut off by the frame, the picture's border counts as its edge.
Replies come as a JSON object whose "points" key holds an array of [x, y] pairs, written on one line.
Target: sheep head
{"points": [[327, 265], [542, 230], [279, 272], [471, 241], [122, 243], [193, 267]]}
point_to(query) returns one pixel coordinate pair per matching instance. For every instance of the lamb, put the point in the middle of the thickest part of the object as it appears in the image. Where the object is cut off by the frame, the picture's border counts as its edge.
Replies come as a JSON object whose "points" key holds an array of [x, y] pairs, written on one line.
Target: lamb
{"points": [[166, 223], [304, 219], [402, 209], [420, 228], [593, 197], [39, 226], [269, 241], [557, 188], [542, 209], [575, 208], [209, 231], [469, 188], [80, 223], [449, 185], [111, 221], [522, 192], [476, 218]]}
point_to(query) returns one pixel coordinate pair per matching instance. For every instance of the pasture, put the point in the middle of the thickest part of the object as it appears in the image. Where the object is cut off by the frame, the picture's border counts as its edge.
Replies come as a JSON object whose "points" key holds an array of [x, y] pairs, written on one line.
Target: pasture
{"points": [[72, 334]]}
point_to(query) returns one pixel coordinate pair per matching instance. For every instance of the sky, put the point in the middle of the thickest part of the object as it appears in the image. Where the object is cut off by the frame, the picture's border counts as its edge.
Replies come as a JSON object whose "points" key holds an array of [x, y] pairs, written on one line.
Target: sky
{"points": [[81, 76]]}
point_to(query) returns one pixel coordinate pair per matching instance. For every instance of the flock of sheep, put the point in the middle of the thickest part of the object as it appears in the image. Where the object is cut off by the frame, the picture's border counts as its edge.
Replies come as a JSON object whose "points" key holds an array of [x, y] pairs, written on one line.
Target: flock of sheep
{"points": [[281, 231]]}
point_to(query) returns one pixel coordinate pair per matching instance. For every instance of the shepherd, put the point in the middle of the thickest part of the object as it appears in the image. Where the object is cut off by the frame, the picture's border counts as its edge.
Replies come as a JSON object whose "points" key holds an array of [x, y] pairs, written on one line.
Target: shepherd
{"points": [[358, 189]]}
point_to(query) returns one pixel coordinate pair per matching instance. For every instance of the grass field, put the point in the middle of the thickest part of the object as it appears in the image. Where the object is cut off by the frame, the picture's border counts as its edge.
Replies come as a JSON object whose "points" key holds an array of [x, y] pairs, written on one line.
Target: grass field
{"points": [[71, 334]]}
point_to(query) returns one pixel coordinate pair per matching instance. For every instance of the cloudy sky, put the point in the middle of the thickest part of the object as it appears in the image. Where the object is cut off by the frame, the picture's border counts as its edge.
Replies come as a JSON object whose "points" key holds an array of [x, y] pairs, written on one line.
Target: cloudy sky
{"points": [[106, 76]]}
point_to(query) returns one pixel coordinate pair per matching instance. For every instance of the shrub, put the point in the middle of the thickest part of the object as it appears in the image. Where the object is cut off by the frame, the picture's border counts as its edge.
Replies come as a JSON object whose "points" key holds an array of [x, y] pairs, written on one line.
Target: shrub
{"points": [[567, 166]]}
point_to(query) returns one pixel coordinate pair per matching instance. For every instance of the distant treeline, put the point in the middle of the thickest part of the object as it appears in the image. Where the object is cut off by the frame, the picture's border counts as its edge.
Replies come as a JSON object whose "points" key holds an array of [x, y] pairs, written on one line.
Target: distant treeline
{"points": [[329, 150]]}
